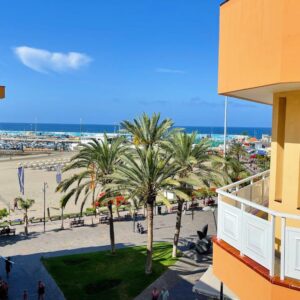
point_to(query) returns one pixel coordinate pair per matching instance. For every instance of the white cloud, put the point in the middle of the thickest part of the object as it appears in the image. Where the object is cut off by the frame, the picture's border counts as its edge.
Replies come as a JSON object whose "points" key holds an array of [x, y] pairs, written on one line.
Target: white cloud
{"points": [[166, 70], [43, 60]]}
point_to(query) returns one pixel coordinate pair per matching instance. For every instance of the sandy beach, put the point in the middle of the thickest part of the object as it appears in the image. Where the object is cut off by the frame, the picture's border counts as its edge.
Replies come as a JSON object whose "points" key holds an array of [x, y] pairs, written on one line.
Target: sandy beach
{"points": [[34, 180]]}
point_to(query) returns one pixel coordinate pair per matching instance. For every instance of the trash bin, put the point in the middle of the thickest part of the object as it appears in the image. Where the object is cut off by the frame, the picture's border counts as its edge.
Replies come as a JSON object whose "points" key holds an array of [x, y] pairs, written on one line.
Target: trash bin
{"points": [[159, 210]]}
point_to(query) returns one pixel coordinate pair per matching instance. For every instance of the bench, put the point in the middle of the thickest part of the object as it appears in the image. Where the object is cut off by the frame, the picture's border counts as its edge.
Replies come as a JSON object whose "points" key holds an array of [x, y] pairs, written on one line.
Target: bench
{"points": [[174, 209], [194, 205], [55, 218], [7, 231], [37, 220], [103, 220], [139, 217], [77, 223], [15, 222], [127, 217]]}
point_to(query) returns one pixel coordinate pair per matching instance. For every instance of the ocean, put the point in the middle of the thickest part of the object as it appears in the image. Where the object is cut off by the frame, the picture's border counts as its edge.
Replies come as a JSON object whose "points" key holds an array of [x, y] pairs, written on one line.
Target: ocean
{"points": [[91, 129]]}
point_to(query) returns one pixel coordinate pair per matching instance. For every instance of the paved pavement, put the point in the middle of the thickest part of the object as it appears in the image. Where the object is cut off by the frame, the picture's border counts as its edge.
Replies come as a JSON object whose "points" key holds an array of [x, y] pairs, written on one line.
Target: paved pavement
{"points": [[180, 278], [26, 252]]}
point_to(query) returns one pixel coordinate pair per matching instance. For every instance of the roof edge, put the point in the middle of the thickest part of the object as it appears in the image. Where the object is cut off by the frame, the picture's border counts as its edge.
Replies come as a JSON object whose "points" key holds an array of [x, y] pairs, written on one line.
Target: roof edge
{"points": [[225, 1]]}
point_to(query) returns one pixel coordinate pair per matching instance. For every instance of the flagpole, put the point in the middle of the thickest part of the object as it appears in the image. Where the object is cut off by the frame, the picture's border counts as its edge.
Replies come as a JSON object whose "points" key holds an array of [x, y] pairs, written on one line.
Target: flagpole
{"points": [[44, 190], [225, 124]]}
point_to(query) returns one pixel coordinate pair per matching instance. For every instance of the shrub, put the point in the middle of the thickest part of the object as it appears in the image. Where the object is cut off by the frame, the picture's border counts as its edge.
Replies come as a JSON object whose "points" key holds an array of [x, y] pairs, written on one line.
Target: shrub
{"points": [[3, 213]]}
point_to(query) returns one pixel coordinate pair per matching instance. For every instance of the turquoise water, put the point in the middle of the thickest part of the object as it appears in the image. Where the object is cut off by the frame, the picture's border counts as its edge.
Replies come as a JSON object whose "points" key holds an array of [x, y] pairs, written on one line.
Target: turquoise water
{"points": [[91, 129]]}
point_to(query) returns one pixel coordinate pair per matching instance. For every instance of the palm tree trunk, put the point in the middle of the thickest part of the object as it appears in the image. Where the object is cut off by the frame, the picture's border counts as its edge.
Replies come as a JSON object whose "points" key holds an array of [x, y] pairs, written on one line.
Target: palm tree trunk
{"points": [[177, 228], [117, 210], [93, 202], [93, 197], [26, 222], [148, 268], [111, 229]]}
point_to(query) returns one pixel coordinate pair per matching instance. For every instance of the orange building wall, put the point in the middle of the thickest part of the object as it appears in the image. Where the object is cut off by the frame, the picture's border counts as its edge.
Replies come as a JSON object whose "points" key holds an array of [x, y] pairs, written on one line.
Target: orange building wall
{"points": [[259, 44], [285, 159], [246, 283]]}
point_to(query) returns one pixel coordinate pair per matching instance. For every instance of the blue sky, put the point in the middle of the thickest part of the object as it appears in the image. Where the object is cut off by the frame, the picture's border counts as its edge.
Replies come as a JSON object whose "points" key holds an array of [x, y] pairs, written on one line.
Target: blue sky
{"points": [[106, 61]]}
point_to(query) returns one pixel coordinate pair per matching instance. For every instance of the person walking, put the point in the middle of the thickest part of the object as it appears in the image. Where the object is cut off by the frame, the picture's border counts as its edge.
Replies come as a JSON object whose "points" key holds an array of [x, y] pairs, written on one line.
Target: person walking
{"points": [[25, 295], [184, 208], [155, 294], [41, 290], [8, 266], [16, 204], [164, 294], [3, 290]]}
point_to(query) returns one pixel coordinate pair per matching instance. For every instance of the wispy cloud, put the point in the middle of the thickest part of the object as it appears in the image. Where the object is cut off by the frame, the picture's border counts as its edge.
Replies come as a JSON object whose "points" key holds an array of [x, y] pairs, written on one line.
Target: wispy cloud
{"points": [[154, 102], [200, 101], [44, 61], [167, 70], [215, 103]]}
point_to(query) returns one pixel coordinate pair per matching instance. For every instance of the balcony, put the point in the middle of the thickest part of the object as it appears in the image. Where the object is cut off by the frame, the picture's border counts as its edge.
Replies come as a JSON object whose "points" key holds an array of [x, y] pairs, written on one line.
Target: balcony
{"points": [[251, 229]]}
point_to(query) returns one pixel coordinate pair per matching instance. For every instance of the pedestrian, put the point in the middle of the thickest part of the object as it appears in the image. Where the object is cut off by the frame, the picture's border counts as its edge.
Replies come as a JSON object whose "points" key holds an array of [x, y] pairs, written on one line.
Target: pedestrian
{"points": [[184, 208], [3, 290], [164, 294], [8, 266], [41, 290], [155, 294], [25, 295], [15, 203]]}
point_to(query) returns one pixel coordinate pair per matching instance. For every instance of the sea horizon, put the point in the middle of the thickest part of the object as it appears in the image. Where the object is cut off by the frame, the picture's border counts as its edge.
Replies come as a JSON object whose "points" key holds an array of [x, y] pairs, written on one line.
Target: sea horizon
{"points": [[85, 128]]}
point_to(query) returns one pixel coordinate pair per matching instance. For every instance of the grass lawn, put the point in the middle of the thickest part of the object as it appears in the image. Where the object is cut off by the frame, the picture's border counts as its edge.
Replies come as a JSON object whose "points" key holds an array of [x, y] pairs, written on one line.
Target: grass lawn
{"points": [[101, 275]]}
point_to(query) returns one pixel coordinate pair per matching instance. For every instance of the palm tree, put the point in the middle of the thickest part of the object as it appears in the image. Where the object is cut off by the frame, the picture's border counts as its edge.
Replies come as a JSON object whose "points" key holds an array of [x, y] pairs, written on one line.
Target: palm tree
{"points": [[148, 131], [96, 160], [263, 162], [143, 175], [25, 204], [234, 169], [194, 170], [237, 151]]}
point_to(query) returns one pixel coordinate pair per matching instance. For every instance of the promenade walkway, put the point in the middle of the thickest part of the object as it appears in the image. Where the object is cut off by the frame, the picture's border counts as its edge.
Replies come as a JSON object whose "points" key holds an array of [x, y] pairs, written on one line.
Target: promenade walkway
{"points": [[27, 252]]}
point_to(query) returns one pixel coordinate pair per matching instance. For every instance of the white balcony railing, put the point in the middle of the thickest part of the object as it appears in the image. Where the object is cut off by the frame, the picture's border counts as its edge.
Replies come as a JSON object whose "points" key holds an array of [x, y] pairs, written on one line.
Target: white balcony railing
{"points": [[246, 223]]}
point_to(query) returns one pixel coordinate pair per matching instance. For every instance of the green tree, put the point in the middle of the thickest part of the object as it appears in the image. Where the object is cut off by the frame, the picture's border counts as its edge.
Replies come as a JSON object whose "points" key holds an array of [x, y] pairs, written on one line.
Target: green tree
{"points": [[3, 213], [143, 175], [237, 151], [194, 171], [148, 131], [142, 167], [263, 162], [25, 204], [234, 169], [95, 161]]}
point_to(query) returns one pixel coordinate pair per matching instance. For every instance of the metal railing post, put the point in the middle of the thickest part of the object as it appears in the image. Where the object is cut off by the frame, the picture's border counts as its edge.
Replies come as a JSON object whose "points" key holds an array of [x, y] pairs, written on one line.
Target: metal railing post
{"points": [[242, 244], [236, 193], [219, 216], [263, 190], [272, 254], [282, 252], [251, 185]]}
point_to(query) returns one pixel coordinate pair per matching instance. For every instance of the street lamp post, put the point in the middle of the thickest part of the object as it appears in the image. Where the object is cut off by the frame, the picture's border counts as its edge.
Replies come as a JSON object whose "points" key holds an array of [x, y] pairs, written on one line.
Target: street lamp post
{"points": [[133, 219], [62, 218], [44, 190]]}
